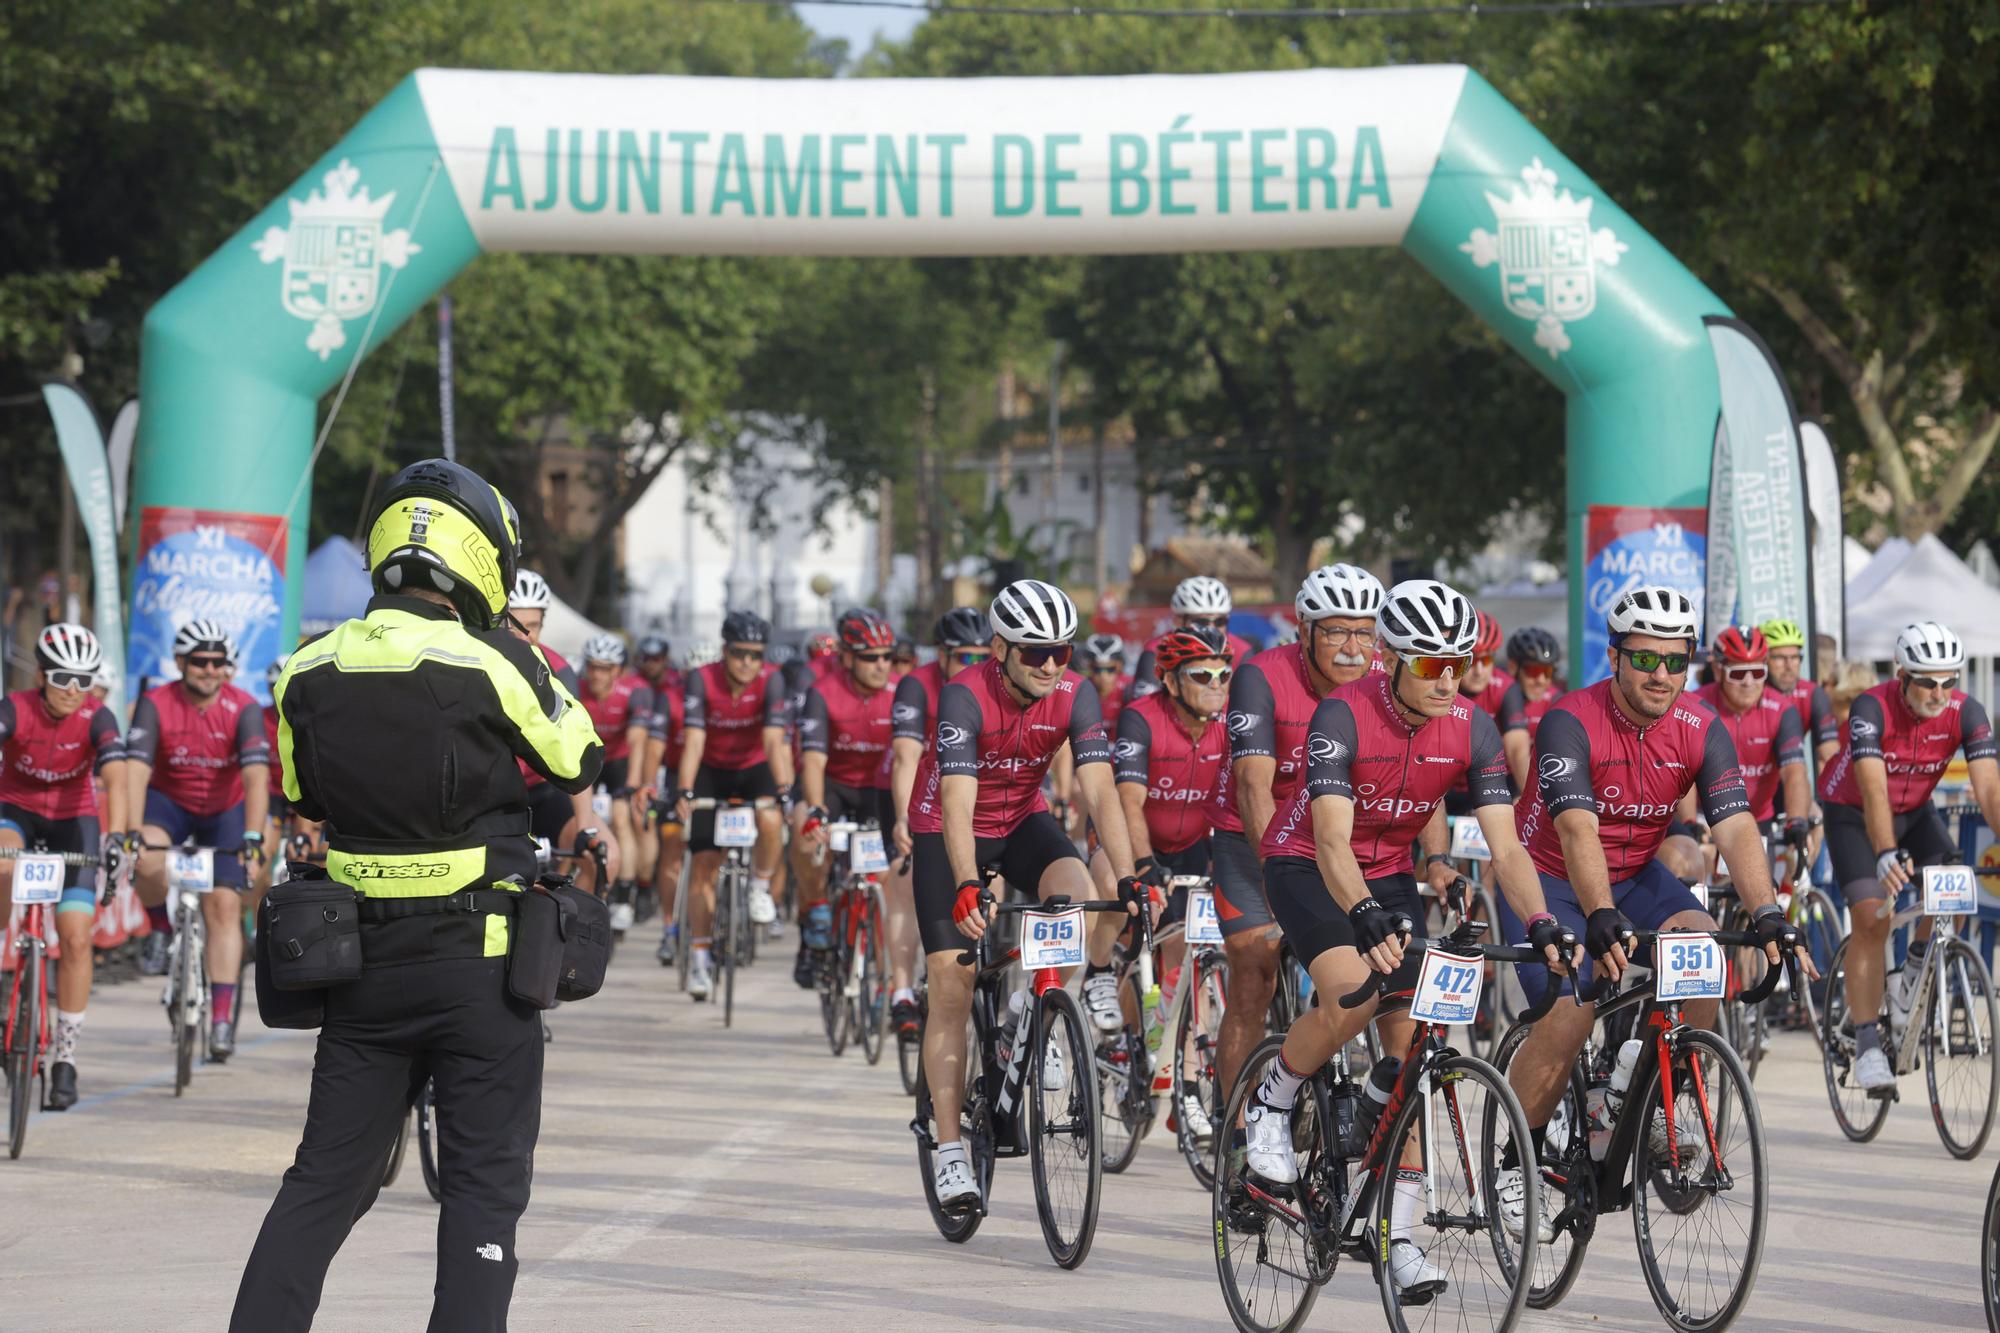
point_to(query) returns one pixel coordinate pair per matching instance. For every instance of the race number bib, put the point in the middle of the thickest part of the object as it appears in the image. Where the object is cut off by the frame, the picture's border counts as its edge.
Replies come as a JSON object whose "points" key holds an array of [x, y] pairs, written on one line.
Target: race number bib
{"points": [[600, 802], [736, 827], [1203, 925], [1052, 939], [191, 872], [1687, 967], [1468, 840], [1949, 891], [869, 857], [1448, 988], [37, 879]]}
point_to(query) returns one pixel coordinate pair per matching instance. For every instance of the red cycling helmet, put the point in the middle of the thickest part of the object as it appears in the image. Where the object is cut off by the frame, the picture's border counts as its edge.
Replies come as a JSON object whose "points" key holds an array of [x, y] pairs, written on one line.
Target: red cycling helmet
{"points": [[861, 630], [1178, 647], [821, 645], [1488, 640], [1742, 643]]}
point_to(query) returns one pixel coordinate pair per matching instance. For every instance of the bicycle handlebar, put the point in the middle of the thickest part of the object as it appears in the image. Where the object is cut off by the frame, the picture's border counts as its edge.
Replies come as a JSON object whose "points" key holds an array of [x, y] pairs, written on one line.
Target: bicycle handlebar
{"points": [[1729, 939], [710, 803], [1496, 953], [67, 858], [1060, 903]]}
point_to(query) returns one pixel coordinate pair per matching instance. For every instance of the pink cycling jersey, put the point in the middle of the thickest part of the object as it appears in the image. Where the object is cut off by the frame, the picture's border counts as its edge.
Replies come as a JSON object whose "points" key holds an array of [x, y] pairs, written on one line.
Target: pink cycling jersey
{"points": [[850, 727], [628, 704], [1590, 756], [1271, 704], [1767, 738], [1494, 695], [983, 733], [1815, 711], [1178, 771], [49, 768], [734, 722], [198, 754], [1360, 747], [1914, 749], [1520, 713]]}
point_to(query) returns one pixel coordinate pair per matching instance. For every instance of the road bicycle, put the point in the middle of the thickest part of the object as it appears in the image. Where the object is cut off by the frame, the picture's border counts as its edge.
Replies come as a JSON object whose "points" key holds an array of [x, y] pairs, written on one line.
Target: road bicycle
{"points": [[1684, 1149], [1499, 1002], [853, 978], [733, 935], [1949, 1030], [39, 879], [1035, 1050], [1748, 1028], [190, 878], [1276, 1245]]}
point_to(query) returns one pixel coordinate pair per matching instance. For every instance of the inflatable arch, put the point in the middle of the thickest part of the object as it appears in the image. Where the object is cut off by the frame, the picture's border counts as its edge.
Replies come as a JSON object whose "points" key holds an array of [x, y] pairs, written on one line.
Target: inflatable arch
{"points": [[454, 162]]}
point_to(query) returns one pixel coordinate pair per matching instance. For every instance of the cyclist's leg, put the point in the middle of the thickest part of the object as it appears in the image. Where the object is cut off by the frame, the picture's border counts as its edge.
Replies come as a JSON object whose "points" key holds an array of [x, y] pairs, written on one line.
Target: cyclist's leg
{"points": [[222, 910], [13, 824], [1681, 853], [75, 915], [1540, 1069], [621, 823], [1655, 899], [1250, 943], [1867, 897], [1323, 939], [899, 898], [667, 869], [950, 980], [164, 823], [768, 854], [1038, 852]]}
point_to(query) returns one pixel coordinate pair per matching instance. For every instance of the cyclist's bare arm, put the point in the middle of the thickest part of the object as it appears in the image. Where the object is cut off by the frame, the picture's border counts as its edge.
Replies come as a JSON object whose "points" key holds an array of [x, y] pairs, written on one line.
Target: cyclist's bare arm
{"points": [[1132, 796], [1333, 848], [1986, 788], [779, 755], [1253, 774], [1520, 750], [1062, 775], [1100, 798], [1741, 843], [1512, 865], [812, 777], [958, 794]]}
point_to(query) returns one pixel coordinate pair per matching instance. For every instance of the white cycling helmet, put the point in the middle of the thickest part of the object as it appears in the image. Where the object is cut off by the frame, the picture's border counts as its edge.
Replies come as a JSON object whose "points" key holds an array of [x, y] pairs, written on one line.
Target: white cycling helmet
{"points": [[531, 592], [1423, 617], [1104, 648], [199, 634], [1033, 612], [1654, 610], [1201, 596], [1338, 590], [1928, 646], [604, 648], [275, 670], [68, 647]]}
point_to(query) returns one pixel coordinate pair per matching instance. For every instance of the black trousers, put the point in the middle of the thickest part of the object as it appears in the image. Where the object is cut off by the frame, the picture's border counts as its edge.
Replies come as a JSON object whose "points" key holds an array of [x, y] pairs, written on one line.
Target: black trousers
{"points": [[454, 1023]]}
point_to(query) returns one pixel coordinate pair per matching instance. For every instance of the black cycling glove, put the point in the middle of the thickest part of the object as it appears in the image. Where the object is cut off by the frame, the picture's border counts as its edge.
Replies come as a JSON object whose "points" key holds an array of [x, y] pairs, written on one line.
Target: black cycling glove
{"points": [[1131, 892], [1772, 928], [1607, 927], [1375, 924], [1544, 931], [1797, 831], [1151, 873]]}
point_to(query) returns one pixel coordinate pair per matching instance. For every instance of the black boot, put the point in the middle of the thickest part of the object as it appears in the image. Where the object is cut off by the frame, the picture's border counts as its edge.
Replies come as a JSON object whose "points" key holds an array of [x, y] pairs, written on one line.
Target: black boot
{"points": [[62, 1085]]}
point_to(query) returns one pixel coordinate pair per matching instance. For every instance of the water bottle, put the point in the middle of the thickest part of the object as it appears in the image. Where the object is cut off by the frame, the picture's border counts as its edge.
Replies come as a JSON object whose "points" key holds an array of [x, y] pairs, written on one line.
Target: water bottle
{"points": [[1347, 1119], [1375, 1096], [1601, 1104], [1017, 1009], [1155, 1013]]}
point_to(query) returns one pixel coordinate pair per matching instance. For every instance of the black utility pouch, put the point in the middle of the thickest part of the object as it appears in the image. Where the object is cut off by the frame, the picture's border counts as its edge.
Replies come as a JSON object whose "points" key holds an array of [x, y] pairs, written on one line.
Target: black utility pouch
{"points": [[534, 963], [586, 927], [309, 934], [562, 944]]}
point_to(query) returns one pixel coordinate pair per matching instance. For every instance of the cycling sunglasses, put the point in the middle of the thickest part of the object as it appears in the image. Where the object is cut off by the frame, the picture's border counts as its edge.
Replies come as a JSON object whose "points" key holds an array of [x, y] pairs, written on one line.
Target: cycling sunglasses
{"points": [[1041, 656], [971, 657], [212, 663], [1207, 675], [1744, 674], [1482, 659], [1432, 666], [1538, 671], [72, 680], [1920, 682], [1647, 661], [872, 657], [746, 654], [1208, 622]]}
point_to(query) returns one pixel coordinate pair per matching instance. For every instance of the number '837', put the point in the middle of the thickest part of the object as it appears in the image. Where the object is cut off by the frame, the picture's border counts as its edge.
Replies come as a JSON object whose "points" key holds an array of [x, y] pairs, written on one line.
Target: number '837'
{"points": [[37, 874], [1691, 955], [1053, 931], [1454, 980]]}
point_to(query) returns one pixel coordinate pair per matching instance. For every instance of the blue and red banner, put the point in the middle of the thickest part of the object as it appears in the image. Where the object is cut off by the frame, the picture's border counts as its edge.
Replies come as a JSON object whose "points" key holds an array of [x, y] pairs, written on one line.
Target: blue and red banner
{"points": [[205, 564], [1627, 546]]}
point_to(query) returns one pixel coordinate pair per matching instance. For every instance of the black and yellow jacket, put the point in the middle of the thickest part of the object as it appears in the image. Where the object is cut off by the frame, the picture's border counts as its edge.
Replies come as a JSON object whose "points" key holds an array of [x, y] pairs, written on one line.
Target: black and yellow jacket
{"points": [[401, 731]]}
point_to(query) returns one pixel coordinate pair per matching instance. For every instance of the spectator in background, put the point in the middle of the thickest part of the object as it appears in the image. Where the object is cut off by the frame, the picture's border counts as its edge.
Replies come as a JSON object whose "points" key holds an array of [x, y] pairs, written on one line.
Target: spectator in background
{"points": [[1826, 657], [1845, 682]]}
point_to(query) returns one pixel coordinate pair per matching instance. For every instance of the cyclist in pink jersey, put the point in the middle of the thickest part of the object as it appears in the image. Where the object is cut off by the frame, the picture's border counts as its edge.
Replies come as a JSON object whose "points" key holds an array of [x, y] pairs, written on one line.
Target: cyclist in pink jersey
{"points": [[1486, 684], [1532, 652], [1381, 753], [620, 707], [1881, 826], [565, 820], [843, 731], [1612, 762], [665, 730], [978, 802], [1764, 727], [651, 672], [1815, 709], [737, 715], [1199, 602], [200, 768], [964, 640], [56, 741]]}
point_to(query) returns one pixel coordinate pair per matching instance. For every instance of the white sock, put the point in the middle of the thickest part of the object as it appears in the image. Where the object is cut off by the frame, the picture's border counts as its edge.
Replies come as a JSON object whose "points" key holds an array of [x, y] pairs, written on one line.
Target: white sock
{"points": [[951, 1152], [1280, 1087], [903, 995], [1408, 1203], [67, 1026], [701, 956], [760, 884]]}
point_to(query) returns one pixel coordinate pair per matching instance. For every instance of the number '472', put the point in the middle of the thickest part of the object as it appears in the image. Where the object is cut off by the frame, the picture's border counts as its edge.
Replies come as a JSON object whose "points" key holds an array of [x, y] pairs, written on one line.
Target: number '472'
{"points": [[1455, 980]]}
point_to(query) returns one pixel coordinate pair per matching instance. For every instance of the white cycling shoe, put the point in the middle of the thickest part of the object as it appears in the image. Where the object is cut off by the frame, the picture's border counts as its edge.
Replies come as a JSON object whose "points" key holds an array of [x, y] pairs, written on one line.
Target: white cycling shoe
{"points": [[762, 910], [1686, 1128], [951, 1178], [1268, 1144], [1412, 1271], [622, 917], [1100, 998], [1873, 1072], [700, 983], [1199, 1126], [1055, 1070], [1510, 1190]]}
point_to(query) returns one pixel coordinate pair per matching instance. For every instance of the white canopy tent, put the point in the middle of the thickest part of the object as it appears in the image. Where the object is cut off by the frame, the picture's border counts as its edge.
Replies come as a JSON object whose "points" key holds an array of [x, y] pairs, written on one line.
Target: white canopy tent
{"points": [[1928, 582], [565, 630]]}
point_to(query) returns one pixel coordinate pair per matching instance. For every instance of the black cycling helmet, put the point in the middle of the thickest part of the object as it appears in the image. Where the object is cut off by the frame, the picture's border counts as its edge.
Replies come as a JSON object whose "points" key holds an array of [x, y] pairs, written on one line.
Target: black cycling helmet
{"points": [[652, 646], [745, 627], [964, 627], [905, 646], [1533, 644], [443, 526]]}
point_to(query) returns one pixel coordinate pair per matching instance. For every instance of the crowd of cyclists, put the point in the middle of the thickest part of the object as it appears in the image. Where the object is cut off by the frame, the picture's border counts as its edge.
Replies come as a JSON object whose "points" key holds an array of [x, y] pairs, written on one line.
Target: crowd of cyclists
{"points": [[1310, 787]]}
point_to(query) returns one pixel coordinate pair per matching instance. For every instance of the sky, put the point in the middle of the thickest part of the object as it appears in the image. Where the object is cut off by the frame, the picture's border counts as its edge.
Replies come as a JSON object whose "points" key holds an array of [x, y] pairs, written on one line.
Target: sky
{"points": [[859, 25]]}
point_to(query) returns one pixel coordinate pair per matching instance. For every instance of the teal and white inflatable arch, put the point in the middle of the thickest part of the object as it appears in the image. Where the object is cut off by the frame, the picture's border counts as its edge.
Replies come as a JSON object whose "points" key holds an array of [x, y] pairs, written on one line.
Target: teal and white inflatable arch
{"points": [[455, 162]]}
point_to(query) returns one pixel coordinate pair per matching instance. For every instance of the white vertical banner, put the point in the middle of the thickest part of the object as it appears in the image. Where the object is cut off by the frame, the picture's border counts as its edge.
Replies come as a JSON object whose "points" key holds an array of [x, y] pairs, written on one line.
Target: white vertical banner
{"points": [[1828, 531]]}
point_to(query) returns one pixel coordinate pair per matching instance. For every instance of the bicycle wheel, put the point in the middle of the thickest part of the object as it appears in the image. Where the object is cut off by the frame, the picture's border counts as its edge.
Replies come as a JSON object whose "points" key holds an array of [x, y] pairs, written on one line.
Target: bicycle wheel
{"points": [[1819, 922], [186, 1033], [1859, 1116], [1462, 1127], [1989, 1256], [22, 1041], [1959, 1066], [871, 1007], [683, 932], [833, 979], [1063, 1144], [910, 1047], [723, 933], [975, 1127], [1269, 1255], [394, 1165], [1123, 1100], [1196, 1038], [1568, 1193], [427, 1156]]}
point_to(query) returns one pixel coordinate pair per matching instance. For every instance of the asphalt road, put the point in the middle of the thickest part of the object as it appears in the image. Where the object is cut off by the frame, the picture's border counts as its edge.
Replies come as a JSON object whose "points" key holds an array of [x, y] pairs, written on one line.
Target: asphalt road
{"points": [[744, 1179]]}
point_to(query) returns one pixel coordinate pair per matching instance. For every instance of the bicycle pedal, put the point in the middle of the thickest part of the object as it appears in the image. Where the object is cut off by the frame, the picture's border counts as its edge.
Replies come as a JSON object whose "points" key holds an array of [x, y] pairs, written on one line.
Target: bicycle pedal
{"points": [[1423, 1293]]}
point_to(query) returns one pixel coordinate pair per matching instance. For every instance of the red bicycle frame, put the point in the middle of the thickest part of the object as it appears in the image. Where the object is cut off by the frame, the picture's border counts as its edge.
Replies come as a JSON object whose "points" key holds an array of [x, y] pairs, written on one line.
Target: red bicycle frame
{"points": [[33, 934]]}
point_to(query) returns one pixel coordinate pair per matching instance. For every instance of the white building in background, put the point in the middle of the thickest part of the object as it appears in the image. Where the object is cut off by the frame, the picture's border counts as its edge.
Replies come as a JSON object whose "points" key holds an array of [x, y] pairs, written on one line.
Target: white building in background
{"points": [[695, 549], [1131, 528]]}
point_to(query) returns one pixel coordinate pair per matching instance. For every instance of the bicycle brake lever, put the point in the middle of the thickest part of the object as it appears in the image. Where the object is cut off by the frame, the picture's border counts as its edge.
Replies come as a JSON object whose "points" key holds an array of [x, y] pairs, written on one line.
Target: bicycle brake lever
{"points": [[1354, 999]]}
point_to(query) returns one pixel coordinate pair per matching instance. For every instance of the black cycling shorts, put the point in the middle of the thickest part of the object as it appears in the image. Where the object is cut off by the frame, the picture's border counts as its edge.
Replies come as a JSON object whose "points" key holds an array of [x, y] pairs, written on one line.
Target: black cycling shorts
{"points": [[1192, 859], [549, 808], [859, 804], [1036, 843], [725, 784], [79, 833], [1313, 922], [1920, 832], [612, 776]]}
